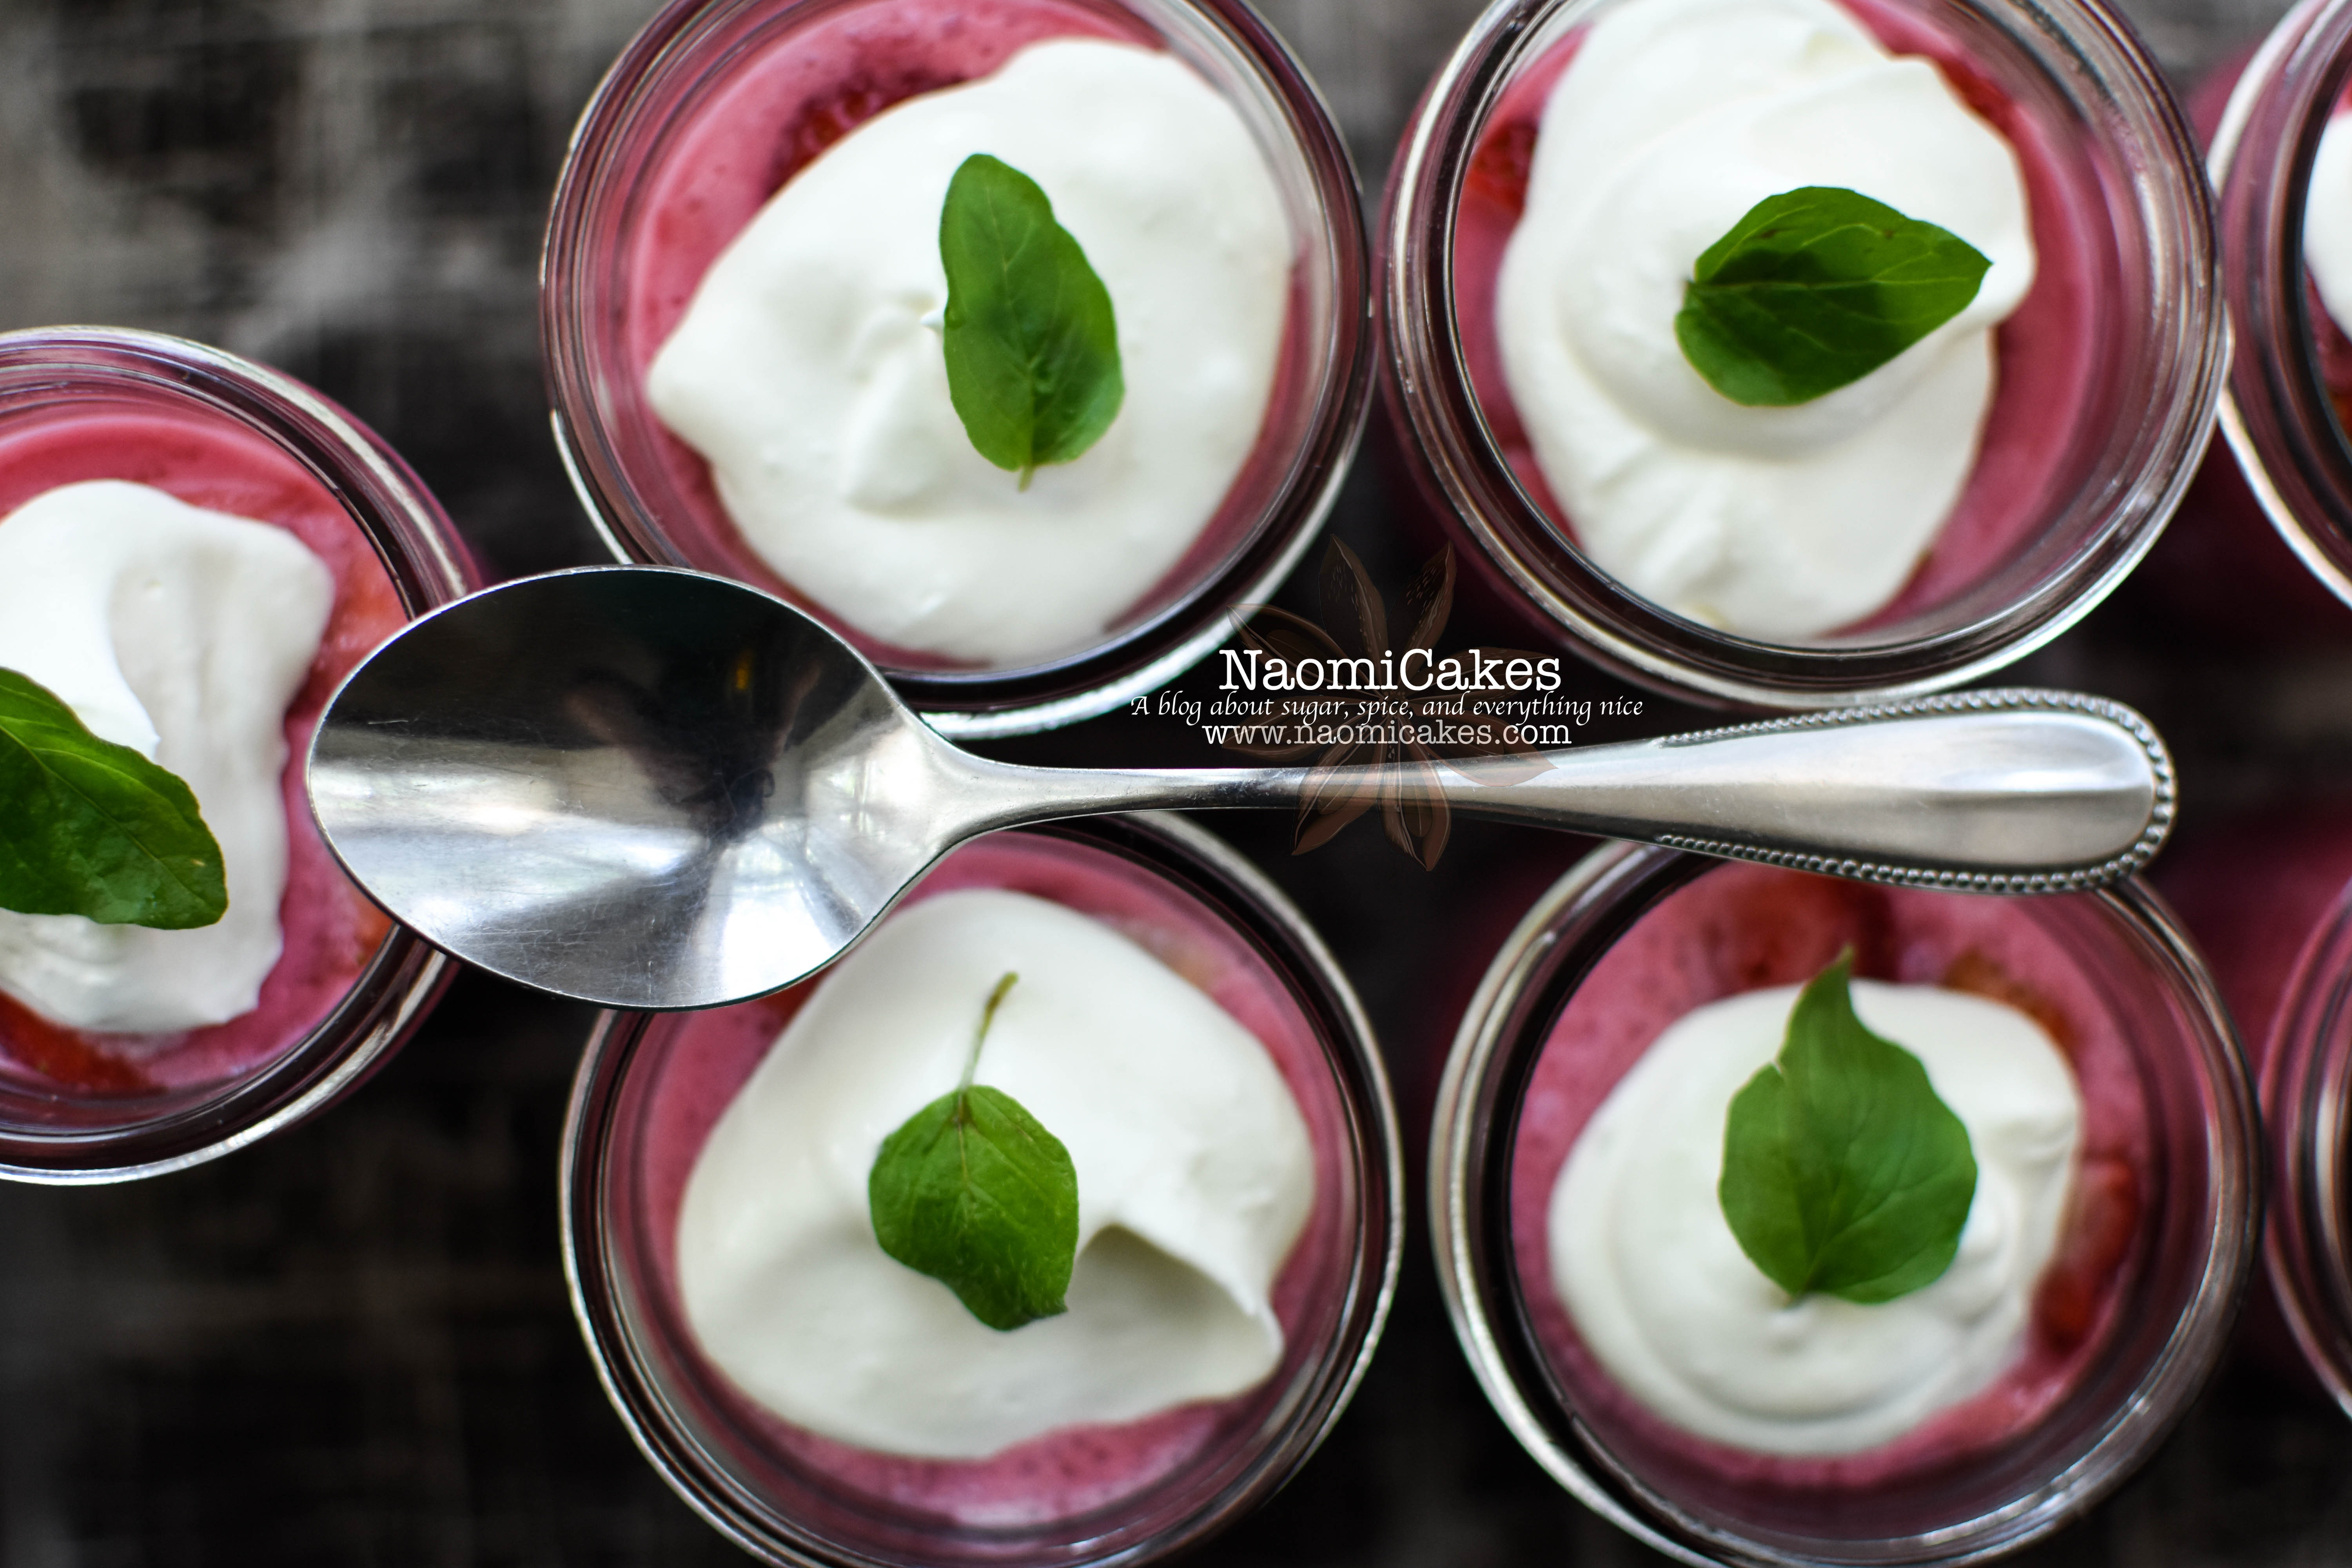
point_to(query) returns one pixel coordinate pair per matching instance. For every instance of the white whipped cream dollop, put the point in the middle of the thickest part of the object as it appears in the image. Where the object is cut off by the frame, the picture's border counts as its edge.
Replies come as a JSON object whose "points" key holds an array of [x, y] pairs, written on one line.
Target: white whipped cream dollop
{"points": [[1195, 1171], [1668, 1303], [2327, 221], [808, 369], [1674, 117], [182, 634]]}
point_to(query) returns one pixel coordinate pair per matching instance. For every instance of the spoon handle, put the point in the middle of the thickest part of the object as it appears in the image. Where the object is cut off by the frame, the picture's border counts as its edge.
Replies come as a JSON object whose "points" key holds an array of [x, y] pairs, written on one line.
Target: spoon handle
{"points": [[2013, 791]]}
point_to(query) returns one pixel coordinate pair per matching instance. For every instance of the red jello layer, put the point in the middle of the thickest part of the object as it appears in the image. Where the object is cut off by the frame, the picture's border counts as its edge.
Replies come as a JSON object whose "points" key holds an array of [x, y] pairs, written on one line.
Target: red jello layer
{"points": [[772, 115], [1745, 928], [331, 930], [2046, 352], [707, 1060]]}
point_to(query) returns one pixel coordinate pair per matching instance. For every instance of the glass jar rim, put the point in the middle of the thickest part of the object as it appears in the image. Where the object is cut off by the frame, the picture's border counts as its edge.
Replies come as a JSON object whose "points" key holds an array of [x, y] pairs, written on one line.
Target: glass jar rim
{"points": [[1161, 841], [1134, 659], [1426, 380], [1471, 1135], [428, 565]]}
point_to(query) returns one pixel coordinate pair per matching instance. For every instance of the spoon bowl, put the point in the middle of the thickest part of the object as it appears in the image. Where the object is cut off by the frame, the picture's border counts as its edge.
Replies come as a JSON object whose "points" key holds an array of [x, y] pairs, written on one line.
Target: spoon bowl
{"points": [[653, 788]]}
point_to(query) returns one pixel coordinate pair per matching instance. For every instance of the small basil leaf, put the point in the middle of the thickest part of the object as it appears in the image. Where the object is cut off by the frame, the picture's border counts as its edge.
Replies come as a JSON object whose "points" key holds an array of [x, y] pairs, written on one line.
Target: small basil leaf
{"points": [[1843, 1171], [1817, 287], [972, 1191], [1032, 345], [91, 828]]}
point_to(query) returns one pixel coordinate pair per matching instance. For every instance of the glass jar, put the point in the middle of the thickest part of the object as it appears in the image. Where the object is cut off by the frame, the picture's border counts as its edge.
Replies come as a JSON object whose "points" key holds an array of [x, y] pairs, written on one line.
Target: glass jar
{"points": [[91, 403], [2278, 411], [652, 497], [2125, 1322], [652, 1085], [2057, 509]]}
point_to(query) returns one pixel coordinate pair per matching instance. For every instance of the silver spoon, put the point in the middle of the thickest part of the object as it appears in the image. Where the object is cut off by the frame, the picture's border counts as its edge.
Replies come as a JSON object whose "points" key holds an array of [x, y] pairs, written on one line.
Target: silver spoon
{"points": [[653, 788]]}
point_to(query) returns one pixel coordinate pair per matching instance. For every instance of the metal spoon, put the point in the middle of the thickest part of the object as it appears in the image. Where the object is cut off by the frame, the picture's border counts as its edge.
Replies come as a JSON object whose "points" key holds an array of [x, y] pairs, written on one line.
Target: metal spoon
{"points": [[653, 788]]}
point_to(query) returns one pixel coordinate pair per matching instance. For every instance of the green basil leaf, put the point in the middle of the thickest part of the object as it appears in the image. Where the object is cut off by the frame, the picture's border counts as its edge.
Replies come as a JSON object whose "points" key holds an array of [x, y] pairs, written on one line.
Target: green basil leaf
{"points": [[972, 1191], [1816, 287], [91, 828], [1032, 345], [1843, 1171]]}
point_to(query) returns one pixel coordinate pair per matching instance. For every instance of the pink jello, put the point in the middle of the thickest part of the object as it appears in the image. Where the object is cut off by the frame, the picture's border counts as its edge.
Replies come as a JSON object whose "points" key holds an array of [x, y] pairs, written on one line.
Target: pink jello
{"points": [[1747, 928], [718, 106], [331, 930], [2044, 352], [2126, 1322], [84, 403], [2107, 376], [1080, 1484]]}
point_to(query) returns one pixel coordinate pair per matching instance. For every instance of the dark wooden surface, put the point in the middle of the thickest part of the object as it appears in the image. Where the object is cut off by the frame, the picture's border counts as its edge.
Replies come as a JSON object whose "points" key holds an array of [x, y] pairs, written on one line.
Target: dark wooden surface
{"points": [[350, 1346]]}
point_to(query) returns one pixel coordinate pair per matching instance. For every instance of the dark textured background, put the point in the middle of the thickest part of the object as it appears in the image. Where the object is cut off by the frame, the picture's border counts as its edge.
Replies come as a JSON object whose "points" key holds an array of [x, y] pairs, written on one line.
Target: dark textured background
{"points": [[350, 1345]]}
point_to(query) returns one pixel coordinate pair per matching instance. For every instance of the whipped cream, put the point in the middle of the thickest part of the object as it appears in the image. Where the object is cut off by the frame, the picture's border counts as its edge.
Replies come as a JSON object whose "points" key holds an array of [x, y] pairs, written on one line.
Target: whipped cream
{"points": [[1648, 1268], [1674, 117], [808, 369], [182, 634], [1194, 1177], [2327, 221]]}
